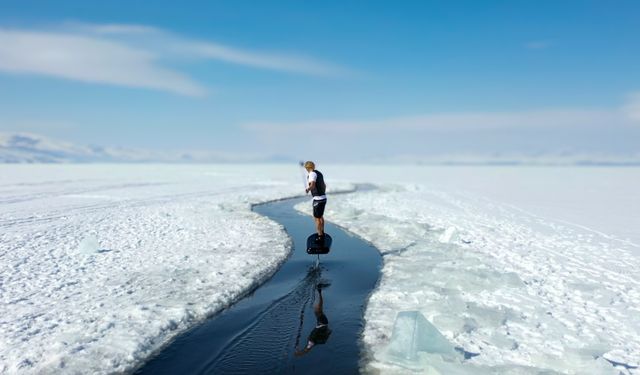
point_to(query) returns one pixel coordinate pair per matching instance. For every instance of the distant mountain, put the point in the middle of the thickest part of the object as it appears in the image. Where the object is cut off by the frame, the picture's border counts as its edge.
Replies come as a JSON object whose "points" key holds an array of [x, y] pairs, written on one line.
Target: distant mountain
{"points": [[32, 148], [514, 159]]}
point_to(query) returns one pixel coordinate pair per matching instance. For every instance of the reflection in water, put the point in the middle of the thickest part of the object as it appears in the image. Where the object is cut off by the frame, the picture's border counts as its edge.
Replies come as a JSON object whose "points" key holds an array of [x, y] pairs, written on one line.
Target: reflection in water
{"points": [[243, 356], [272, 331], [321, 332], [262, 333]]}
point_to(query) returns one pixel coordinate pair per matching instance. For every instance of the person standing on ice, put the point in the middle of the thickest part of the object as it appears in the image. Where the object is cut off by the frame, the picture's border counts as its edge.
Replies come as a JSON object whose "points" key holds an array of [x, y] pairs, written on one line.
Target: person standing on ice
{"points": [[317, 187]]}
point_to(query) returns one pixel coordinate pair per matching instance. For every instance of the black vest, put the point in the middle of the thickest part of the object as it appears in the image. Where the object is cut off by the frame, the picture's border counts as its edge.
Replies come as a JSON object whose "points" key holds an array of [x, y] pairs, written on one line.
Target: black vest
{"points": [[320, 187]]}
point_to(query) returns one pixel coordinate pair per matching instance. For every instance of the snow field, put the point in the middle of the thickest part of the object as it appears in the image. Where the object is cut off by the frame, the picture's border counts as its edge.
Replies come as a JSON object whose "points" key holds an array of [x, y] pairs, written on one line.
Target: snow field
{"points": [[527, 294], [101, 265]]}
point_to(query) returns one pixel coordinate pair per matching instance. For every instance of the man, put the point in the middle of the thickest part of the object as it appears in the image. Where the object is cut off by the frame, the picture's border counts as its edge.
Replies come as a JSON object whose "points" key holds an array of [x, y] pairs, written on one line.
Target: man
{"points": [[317, 188], [320, 334]]}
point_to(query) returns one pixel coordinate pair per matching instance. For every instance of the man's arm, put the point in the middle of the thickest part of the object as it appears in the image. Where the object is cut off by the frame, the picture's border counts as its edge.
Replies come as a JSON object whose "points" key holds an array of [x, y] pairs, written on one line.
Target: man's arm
{"points": [[312, 181], [312, 184]]}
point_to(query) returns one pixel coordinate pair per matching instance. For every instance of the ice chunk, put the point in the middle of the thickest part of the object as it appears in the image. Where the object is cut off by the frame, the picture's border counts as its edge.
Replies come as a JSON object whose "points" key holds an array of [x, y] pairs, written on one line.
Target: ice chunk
{"points": [[412, 333], [503, 341], [454, 323], [89, 245], [447, 235], [576, 362]]}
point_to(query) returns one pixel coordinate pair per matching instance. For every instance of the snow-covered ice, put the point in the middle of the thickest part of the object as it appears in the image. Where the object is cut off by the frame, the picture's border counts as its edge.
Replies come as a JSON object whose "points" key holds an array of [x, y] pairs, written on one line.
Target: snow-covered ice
{"points": [[100, 265], [528, 270], [528, 276]]}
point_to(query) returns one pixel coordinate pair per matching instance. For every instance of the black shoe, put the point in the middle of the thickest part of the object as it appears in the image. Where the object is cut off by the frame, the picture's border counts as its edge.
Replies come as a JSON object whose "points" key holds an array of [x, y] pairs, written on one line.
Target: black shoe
{"points": [[320, 238]]}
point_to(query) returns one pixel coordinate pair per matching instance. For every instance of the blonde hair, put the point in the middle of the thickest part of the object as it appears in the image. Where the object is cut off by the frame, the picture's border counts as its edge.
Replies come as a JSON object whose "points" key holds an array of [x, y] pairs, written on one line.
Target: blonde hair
{"points": [[310, 164]]}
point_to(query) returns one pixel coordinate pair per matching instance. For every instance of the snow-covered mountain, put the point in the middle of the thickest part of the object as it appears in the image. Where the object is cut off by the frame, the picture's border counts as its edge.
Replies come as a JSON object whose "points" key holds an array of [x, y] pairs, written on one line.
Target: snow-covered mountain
{"points": [[515, 159], [33, 148], [29, 148]]}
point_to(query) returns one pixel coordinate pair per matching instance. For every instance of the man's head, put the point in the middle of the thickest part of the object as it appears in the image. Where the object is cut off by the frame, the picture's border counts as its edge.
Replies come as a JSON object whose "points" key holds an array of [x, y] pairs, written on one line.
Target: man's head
{"points": [[309, 166]]}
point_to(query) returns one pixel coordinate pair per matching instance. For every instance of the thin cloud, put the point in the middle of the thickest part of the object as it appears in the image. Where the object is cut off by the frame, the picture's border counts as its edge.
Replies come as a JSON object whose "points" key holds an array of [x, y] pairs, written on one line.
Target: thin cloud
{"points": [[115, 29], [89, 59], [544, 131], [132, 56], [266, 61], [173, 44], [451, 122], [632, 107]]}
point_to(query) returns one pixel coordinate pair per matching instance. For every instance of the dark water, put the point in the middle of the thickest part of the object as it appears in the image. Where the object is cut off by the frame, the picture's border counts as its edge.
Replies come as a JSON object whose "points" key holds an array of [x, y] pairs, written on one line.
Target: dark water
{"points": [[260, 333]]}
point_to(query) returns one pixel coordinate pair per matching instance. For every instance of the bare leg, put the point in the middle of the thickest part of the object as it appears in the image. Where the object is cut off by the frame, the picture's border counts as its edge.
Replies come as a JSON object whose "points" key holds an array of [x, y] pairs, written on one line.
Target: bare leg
{"points": [[319, 225], [318, 307]]}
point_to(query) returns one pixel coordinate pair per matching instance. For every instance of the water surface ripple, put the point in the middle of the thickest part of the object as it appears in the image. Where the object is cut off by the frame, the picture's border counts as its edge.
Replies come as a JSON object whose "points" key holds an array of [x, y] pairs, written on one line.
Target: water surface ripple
{"points": [[261, 333]]}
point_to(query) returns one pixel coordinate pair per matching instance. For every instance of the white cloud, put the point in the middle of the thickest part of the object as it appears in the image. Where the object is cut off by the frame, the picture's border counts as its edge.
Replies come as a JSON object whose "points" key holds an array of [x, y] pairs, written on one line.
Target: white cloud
{"points": [[174, 44], [587, 131], [263, 60], [131, 55], [451, 122], [89, 59], [113, 28], [632, 107]]}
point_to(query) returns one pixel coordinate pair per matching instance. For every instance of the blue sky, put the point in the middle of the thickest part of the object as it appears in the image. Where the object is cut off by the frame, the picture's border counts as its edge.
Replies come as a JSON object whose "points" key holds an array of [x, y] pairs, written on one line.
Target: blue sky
{"points": [[331, 80]]}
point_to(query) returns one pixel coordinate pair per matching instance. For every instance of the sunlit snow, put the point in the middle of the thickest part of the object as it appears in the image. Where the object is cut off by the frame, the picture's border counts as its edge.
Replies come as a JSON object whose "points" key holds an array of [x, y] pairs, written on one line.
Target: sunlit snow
{"points": [[520, 270], [517, 291], [100, 265]]}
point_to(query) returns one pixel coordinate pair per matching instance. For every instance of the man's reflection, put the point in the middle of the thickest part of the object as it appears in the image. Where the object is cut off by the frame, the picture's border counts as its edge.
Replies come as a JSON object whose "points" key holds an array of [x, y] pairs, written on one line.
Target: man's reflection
{"points": [[320, 334]]}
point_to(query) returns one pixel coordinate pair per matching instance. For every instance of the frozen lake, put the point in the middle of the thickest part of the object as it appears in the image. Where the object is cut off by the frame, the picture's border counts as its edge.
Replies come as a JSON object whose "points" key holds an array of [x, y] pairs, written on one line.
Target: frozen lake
{"points": [[533, 268], [262, 332]]}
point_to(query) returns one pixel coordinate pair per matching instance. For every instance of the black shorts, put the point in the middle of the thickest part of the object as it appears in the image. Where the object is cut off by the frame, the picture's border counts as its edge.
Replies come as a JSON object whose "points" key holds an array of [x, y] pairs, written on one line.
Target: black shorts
{"points": [[318, 208]]}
